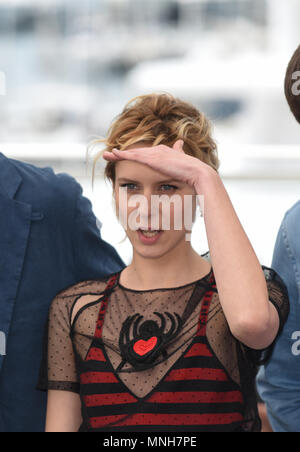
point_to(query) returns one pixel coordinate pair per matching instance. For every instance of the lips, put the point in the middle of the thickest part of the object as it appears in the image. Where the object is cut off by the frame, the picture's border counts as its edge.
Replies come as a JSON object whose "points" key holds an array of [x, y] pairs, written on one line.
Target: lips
{"points": [[149, 232], [153, 230], [149, 237]]}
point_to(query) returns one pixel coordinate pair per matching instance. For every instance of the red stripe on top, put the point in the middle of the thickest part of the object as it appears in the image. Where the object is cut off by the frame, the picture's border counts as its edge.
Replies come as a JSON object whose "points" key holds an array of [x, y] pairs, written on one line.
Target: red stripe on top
{"points": [[108, 399], [176, 399], [196, 397], [95, 354], [198, 350], [101, 315], [197, 374], [97, 377], [166, 419], [201, 330]]}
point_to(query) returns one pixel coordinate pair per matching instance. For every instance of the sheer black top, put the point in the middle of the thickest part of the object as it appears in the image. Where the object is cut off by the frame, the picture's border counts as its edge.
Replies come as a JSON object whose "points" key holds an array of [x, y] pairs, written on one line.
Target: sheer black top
{"points": [[132, 355]]}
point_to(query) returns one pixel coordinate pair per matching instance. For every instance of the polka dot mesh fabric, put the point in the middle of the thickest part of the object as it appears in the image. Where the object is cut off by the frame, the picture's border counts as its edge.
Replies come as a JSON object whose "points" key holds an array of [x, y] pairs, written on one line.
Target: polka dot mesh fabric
{"points": [[72, 321]]}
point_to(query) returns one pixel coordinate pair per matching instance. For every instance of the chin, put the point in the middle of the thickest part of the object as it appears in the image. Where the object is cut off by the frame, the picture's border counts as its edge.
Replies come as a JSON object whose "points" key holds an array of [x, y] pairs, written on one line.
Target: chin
{"points": [[151, 253]]}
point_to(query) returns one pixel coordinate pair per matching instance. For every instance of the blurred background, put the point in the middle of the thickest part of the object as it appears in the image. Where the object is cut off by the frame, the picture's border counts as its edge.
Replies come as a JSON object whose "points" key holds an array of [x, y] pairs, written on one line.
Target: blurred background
{"points": [[67, 68]]}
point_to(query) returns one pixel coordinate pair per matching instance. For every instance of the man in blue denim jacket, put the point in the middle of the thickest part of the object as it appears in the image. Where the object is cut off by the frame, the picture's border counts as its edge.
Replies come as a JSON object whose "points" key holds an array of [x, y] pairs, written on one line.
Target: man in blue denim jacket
{"points": [[49, 240], [279, 380]]}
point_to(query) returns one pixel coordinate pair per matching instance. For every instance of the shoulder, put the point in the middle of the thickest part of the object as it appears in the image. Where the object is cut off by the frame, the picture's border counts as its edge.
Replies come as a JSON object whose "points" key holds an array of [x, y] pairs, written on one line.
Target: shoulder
{"points": [[43, 173], [86, 287], [291, 225], [45, 178], [90, 286], [276, 286], [291, 220], [94, 287], [69, 300], [58, 195], [293, 213], [278, 293]]}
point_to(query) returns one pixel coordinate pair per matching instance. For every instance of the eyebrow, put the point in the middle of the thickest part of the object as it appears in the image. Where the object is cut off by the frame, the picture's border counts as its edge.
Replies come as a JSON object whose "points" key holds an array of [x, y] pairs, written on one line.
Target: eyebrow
{"points": [[125, 179]]}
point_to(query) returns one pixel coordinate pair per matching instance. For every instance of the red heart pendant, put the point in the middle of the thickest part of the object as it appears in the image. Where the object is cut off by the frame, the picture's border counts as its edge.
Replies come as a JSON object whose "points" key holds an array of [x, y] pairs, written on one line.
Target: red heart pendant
{"points": [[142, 347]]}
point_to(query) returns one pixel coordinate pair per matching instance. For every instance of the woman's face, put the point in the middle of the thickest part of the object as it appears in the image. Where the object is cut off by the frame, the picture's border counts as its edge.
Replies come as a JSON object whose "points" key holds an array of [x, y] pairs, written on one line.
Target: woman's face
{"points": [[147, 199]]}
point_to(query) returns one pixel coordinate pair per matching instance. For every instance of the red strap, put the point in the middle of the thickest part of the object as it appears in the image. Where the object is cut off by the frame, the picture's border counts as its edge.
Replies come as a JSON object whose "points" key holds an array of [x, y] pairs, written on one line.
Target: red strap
{"points": [[203, 314], [205, 307], [100, 321]]}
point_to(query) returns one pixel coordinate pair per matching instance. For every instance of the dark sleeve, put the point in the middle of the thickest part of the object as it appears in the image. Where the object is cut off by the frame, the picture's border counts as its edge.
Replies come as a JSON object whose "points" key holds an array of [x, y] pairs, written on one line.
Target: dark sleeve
{"points": [[278, 296], [58, 369], [93, 257]]}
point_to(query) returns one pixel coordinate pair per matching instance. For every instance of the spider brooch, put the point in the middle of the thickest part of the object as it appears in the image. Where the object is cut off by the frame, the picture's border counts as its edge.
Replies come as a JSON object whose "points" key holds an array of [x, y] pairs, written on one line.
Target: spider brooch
{"points": [[149, 339]]}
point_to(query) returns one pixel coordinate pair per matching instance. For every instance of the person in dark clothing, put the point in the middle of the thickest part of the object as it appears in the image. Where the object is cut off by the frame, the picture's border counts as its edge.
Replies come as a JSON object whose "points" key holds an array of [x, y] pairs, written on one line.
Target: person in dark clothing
{"points": [[49, 240]]}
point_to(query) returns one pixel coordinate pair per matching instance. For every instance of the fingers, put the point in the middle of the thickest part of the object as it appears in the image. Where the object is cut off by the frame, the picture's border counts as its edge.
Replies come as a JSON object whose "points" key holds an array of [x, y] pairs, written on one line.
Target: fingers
{"points": [[110, 156], [116, 154], [131, 155], [178, 145]]}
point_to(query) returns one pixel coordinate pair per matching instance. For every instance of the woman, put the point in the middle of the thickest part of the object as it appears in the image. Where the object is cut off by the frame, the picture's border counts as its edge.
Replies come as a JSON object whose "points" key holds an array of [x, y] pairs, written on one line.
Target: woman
{"points": [[171, 342]]}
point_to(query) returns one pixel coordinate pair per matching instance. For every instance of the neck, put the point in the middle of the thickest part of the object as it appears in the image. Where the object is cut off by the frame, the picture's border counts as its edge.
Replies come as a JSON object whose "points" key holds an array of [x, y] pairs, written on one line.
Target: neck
{"points": [[172, 269]]}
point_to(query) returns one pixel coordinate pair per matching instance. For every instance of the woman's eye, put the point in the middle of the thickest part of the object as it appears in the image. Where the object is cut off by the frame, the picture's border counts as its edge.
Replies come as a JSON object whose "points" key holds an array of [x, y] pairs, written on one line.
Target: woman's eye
{"points": [[164, 187], [128, 185], [169, 187]]}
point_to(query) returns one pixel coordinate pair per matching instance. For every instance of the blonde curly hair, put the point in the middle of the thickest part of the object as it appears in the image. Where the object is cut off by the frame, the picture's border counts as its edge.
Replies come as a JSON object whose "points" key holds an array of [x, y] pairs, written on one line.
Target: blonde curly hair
{"points": [[159, 119]]}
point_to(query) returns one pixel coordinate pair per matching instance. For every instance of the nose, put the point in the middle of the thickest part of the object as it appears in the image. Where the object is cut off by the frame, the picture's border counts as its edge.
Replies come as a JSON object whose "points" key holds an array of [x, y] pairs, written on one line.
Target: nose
{"points": [[148, 214]]}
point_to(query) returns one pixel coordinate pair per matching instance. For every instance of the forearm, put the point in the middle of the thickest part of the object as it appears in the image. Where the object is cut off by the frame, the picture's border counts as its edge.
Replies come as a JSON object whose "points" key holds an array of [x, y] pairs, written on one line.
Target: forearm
{"points": [[240, 279], [63, 412]]}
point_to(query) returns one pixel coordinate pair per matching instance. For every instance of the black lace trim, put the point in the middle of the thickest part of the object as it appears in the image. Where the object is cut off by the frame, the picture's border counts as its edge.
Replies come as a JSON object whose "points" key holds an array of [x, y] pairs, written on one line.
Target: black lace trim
{"points": [[59, 386]]}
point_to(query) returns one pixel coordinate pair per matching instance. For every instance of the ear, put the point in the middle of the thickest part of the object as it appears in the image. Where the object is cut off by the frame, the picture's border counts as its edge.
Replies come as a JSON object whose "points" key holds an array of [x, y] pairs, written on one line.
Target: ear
{"points": [[178, 146]]}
